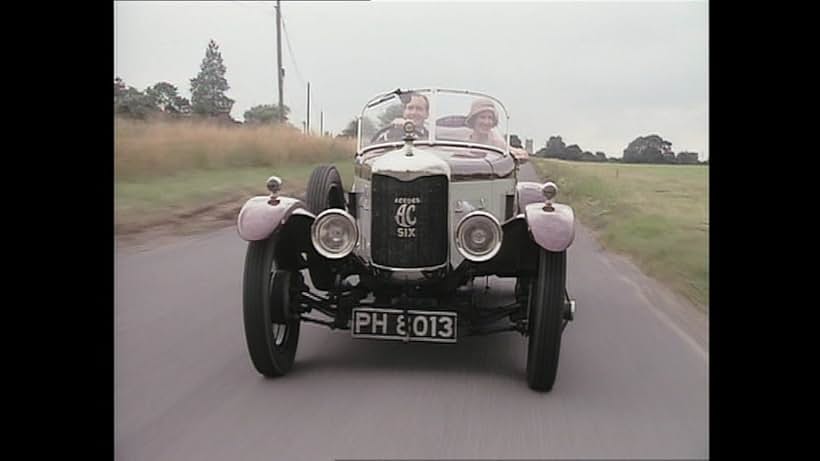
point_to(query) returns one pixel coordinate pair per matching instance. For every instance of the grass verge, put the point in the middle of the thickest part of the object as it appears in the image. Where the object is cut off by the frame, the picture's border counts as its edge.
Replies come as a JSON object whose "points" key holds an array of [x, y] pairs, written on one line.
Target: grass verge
{"points": [[143, 203], [186, 172], [655, 214]]}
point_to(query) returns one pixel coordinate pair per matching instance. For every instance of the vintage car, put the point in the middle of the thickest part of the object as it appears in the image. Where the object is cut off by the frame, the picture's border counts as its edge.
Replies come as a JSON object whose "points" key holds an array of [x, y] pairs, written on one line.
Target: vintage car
{"points": [[435, 203]]}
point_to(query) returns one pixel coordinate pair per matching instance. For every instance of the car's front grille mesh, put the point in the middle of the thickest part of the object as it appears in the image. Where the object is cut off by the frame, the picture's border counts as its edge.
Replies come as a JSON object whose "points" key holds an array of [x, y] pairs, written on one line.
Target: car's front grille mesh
{"points": [[409, 226]]}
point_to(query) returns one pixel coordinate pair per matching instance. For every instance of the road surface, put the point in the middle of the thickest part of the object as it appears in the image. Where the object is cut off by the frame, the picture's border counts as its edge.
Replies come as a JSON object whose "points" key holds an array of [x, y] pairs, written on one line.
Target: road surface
{"points": [[632, 379]]}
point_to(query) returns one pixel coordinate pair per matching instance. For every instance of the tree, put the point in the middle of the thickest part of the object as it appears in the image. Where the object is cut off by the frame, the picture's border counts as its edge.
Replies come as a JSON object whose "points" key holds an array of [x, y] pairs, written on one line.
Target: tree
{"points": [[573, 152], [130, 102], [182, 106], [209, 86], [690, 158], [392, 112], [601, 157], [515, 141], [648, 149], [588, 156], [164, 96], [555, 148], [352, 128], [265, 113], [119, 89]]}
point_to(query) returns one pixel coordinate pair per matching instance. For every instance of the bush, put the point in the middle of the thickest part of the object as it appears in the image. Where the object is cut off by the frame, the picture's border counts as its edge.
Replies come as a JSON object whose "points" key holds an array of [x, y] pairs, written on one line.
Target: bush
{"points": [[167, 147]]}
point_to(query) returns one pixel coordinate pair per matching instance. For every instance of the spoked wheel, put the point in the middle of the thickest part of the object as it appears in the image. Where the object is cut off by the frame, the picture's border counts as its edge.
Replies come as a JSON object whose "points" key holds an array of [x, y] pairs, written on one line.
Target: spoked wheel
{"points": [[271, 326], [546, 319]]}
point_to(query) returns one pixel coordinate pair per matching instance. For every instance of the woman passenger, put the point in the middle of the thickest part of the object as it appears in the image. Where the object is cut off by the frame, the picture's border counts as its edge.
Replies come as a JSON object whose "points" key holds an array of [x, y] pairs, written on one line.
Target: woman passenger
{"points": [[483, 117]]}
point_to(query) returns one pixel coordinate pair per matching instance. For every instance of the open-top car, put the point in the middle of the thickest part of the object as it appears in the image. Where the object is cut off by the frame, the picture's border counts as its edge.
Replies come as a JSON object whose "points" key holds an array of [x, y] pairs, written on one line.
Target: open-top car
{"points": [[435, 203]]}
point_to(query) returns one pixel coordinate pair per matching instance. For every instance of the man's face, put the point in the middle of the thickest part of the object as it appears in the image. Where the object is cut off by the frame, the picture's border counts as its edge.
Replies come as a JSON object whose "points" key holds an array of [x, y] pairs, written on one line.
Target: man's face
{"points": [[416, 110]]}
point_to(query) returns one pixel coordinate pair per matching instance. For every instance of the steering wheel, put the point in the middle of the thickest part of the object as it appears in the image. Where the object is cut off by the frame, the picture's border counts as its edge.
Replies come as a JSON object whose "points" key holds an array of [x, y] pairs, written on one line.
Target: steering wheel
{"points": [[397, 135]]}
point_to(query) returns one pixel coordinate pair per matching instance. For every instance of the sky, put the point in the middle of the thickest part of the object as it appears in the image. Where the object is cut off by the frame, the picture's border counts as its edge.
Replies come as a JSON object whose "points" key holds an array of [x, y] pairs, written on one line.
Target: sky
{"points": [[598, 74]]}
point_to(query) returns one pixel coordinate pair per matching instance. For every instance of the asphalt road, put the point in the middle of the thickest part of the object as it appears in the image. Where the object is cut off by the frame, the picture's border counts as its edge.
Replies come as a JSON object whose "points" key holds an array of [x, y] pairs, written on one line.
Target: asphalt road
{"points": [[632, 378]]}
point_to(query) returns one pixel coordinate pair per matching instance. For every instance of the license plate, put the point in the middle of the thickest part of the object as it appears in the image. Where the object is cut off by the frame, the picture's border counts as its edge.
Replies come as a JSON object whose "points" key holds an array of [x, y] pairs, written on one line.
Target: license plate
{"points": [[427, 326]]}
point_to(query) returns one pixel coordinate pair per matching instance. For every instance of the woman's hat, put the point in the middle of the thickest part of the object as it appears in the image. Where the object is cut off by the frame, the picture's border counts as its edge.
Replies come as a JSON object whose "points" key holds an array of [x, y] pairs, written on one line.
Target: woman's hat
{"points": [[481, 105]]}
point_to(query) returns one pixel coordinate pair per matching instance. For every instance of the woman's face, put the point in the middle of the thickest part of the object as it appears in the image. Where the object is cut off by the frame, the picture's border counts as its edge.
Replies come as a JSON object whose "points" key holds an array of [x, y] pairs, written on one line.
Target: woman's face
{"points": [[484, 122]]}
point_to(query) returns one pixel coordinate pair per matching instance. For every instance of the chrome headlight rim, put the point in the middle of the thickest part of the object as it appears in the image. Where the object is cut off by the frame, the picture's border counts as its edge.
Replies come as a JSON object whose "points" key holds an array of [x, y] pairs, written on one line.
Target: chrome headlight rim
{"points": [[314, 234], [493, 251]]}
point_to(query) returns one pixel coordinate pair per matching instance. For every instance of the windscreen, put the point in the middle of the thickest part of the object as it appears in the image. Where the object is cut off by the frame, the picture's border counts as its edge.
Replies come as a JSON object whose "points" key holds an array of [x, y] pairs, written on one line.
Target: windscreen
{"points": [[383, 120], [444, 116], [470, 118]]}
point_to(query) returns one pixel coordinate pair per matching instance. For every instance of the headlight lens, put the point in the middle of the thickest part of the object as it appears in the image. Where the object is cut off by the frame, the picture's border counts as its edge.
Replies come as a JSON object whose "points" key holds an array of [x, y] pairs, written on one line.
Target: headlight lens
{"points": [[478, 236], [334, 233]]}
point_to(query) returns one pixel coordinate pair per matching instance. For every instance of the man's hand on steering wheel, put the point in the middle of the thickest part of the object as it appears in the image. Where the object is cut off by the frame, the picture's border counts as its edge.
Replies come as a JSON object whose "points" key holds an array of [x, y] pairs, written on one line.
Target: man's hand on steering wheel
{"points": [[397, 125], [391, 134]]}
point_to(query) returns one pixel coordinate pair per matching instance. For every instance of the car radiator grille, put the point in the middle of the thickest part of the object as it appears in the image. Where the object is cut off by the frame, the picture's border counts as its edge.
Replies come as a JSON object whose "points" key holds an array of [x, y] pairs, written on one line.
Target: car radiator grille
{"points": [[409, 221]]}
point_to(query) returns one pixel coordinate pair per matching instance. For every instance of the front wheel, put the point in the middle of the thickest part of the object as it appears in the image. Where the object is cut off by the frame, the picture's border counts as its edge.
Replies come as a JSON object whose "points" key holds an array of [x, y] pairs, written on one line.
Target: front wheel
{"points": [[271, 329], [546, 318], [325, 189]]}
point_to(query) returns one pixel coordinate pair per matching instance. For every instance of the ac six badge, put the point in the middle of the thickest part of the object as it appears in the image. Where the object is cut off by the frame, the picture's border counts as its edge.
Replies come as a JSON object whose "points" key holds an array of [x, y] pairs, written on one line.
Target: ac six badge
{"points": [[406, 216]]}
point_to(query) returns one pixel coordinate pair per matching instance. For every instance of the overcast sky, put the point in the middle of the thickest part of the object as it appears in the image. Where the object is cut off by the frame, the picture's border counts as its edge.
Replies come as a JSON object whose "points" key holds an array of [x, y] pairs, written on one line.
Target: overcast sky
{"points": [[599, 74]]}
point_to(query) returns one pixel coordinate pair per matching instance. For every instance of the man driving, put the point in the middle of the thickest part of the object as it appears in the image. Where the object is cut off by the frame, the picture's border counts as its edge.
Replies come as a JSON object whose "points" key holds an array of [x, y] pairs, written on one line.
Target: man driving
{"points": [[416, 109]]}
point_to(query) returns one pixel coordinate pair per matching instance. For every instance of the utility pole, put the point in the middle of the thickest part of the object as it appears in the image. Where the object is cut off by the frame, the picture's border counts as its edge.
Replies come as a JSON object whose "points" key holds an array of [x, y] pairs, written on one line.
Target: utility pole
{"points": [[279, 69], [308, 108], [321, 122]]}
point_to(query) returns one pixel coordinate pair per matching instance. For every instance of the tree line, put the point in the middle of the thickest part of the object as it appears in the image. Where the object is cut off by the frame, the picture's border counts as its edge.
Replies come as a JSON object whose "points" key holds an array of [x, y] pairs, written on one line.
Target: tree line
{"points": [[208, 99], [643, 149]]}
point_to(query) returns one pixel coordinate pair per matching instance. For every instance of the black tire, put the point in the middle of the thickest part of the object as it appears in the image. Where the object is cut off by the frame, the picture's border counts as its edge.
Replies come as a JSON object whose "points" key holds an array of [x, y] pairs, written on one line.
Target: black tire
{"points": [[546, 318], [266, 291], [522, 289], [325, 189]]}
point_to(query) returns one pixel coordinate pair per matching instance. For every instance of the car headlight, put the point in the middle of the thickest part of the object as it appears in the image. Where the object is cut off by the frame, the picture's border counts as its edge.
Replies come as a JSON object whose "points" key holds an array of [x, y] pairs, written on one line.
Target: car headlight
{"points": [[478, 236], [334, 233]]}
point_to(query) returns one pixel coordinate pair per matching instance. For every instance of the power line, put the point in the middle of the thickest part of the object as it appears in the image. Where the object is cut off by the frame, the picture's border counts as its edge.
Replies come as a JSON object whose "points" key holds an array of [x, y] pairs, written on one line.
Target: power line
{"points": [[313, 100], [284, 28], [290, 52]]}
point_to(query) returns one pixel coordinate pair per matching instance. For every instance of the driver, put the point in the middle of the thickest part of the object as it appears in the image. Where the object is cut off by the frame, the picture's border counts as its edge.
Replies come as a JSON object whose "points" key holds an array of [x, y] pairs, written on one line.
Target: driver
{"points": [[416, 109]]}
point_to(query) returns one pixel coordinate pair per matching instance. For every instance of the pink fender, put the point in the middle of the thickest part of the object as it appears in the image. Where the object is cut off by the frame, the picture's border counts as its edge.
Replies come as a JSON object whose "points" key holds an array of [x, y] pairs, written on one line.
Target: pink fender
{"points": [[528, 192], [258, 219], [552, 230]]}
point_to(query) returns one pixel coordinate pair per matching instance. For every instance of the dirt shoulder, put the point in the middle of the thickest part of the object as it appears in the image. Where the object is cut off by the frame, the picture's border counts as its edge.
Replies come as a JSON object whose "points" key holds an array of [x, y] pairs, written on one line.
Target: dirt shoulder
{"points": [[159, 230], [159, 209], [141, 232]]}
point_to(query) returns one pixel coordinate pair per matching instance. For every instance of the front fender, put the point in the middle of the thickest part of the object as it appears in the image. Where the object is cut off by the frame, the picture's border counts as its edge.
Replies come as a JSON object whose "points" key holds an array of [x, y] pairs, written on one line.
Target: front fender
{"points": [[551, 230], [527, 192], [258, 219]]}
